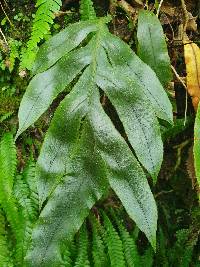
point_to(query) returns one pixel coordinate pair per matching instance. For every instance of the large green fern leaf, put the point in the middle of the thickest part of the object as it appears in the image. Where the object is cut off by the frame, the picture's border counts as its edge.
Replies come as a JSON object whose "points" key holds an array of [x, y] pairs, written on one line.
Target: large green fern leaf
{"points": [[83, 154]]}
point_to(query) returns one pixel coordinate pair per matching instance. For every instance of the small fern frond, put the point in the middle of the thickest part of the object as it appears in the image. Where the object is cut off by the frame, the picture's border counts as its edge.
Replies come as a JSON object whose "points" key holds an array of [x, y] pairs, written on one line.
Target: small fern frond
{"points": [[184, 246], [30, 179], [129, 244], [98, 248], [130, 248], [5, 257], [8, 163], [14, 46], [21, 193], [16, 222], [114, 244], [87, 10], [41, 26], [82, 257], [66, 256], [148, 257]]}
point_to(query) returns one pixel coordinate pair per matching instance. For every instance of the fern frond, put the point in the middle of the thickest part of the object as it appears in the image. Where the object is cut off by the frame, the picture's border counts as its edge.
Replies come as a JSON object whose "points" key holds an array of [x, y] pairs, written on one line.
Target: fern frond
{"points": [[147, 258], [16, 222], [129, 244], [114, 244], [8, 202], [67, 262], [21, 193], [6, 116], [98, 248], [5, 257], [185, 246], [130, 248], [14, 46], [8, 163], [82, 257], [30, 179], [87, 10], [41, 26]]}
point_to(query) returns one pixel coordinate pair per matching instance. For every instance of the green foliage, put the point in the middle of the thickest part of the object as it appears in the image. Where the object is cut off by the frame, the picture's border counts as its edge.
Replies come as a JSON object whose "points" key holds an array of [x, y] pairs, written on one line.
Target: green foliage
{"points": [[44, 17], [8, 164], [98, 245], [14, 54], [152, 48], [102, 243], [82, 257], [87, 10], [72, 187], [129, 245], [19, 214], [184, 247], [197, 146], [68, 181], [114, 244], [5, 255]]}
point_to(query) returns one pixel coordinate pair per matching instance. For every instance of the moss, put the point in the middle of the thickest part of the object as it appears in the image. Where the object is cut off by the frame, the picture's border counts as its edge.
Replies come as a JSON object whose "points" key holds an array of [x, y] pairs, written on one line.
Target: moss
{"points": [[8, 104]]}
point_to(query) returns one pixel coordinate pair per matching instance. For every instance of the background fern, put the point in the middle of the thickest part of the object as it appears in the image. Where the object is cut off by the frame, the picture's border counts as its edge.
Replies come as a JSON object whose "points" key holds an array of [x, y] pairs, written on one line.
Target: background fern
{"points": [[18, 212], [42, 22], [87, 10], [44, 17], [5, 255]]}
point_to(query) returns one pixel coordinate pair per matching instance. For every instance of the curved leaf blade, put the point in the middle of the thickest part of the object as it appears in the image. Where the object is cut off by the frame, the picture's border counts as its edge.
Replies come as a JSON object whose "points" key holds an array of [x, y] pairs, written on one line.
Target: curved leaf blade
{"points": [[61, 44], [152, 47], [121, 56], [137, 116], [125, 175], [83, 185], [44, 87], [62, 137]]}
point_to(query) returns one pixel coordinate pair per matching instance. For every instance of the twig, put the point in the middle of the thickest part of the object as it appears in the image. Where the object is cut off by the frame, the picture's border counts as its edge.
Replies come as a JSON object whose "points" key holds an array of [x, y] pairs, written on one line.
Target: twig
{"points": [[62, 13], [163, 192], [6, 14], [5, 2], [3, 37], [159, 7], [126, 6], [178, 77], [132, 12], [186, 99]]}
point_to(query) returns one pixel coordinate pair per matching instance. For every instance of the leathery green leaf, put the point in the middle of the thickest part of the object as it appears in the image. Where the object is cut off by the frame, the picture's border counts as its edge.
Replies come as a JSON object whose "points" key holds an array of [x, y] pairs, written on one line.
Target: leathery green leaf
{"points": [[45, 86], [69, 204], [152, 47], [121, 55], [83, 154], [136, 114], [62, 43], [125, 175], [56, 152]]}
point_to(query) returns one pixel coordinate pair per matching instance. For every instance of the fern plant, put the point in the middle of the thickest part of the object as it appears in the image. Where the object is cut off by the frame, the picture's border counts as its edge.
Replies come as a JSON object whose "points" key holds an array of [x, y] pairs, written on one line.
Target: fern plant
{"points": [[44, 17], [17, 212], [102, 243], [69, 183]]}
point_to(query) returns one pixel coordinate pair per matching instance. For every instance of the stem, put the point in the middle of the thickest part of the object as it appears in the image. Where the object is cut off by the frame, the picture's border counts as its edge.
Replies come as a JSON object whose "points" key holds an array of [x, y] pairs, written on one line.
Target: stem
{"points": [[159, 7], [185, 15]]}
